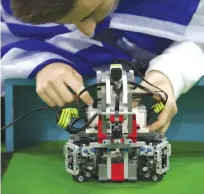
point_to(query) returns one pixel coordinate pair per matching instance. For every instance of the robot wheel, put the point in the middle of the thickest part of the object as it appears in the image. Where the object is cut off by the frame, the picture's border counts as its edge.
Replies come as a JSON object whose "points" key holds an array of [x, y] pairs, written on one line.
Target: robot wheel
{"points": [[79, 178]]}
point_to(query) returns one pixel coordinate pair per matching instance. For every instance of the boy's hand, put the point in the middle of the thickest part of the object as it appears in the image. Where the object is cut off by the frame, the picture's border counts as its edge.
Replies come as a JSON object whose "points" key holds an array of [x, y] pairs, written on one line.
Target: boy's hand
{"points": [[52, 82], [164, 119]]}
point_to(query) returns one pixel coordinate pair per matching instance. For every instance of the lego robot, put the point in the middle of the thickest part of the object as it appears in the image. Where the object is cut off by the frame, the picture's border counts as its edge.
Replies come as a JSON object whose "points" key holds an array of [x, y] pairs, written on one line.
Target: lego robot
{"points": [[115, 144]]}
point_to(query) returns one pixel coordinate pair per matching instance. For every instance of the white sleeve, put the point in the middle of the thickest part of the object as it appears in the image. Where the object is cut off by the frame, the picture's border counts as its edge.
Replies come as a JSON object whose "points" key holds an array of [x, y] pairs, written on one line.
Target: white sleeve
{"points": [[182, 63]]}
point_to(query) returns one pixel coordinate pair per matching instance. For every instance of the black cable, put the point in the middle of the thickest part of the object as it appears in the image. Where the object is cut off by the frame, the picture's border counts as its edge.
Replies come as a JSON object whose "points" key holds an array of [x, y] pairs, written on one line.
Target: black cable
{"points": [[25, 115], [86, 125], [94, 104], [84, 90], [150, 111], [130, 64], [147, 90], [74, 122], [103, 84], [117, 100], [135, 85], [74, 130], [136, 95]]}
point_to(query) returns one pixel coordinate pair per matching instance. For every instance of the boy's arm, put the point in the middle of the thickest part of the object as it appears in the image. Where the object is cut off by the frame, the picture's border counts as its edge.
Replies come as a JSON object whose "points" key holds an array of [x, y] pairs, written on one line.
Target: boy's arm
{"points": [[55, 59], [175, 72], [182, 64], [27, 49]]}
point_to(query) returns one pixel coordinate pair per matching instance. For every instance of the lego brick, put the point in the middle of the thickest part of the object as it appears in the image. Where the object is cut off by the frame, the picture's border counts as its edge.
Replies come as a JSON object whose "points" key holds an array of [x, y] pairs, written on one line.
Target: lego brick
{"points": [[133, 135], [109, 160], [102, 172], [108, 90], [125, 88], [117, 172], [126, 161], [129, 110], [132, 171], [103, 102], [104, 128], [101, 135]]}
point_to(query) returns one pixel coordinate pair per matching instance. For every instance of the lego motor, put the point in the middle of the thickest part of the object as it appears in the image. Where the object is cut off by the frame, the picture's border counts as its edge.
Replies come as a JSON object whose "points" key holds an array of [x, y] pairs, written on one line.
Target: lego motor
{"points": [[115, 144]]}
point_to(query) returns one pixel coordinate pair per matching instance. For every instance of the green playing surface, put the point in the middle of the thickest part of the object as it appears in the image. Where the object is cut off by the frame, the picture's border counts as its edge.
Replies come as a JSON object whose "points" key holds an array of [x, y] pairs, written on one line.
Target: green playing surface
{"points": [[40, 170]]}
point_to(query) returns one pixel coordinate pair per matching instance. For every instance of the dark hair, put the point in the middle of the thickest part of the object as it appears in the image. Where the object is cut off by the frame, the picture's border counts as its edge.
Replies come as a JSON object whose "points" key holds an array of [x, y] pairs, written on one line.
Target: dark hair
{"points": [[40, 11]]}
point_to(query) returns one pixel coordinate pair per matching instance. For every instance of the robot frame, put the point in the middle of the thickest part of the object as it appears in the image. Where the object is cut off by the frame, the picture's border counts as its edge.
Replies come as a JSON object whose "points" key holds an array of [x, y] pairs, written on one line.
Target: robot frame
{"points": [[115, 144]]}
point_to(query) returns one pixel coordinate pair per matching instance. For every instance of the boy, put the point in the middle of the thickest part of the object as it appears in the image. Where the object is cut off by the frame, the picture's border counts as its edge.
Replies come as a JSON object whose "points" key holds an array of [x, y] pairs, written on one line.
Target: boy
{"points": [[62, 40]]}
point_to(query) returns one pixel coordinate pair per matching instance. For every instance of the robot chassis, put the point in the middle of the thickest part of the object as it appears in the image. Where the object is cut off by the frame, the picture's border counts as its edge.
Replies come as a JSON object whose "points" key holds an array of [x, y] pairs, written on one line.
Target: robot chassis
{"points": [[117, 145]]}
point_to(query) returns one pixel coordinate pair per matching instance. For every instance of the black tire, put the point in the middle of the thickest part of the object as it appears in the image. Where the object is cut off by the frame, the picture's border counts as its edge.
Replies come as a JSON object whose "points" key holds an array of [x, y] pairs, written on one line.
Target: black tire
{"points": [[79, 178], [156, 177]]}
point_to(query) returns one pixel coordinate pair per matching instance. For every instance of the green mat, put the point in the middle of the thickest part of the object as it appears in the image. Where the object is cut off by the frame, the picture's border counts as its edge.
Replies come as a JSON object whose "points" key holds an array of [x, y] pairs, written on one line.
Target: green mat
{"points": [[40, 170]]}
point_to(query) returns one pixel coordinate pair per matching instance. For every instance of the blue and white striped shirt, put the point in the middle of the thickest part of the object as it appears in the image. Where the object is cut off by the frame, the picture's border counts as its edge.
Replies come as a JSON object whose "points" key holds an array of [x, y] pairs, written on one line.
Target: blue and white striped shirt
{"points": [[150, 26]]}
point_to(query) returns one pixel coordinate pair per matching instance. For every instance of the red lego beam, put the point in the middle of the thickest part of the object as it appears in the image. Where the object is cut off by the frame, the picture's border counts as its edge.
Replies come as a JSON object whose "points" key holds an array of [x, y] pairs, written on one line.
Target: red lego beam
{"points": [[133, 135], [117, 172], [101, 136]]}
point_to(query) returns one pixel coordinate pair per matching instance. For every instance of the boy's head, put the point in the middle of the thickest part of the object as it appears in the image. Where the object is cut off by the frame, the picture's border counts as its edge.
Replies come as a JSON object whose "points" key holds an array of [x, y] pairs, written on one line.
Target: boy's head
{"points": [[85, 14]]}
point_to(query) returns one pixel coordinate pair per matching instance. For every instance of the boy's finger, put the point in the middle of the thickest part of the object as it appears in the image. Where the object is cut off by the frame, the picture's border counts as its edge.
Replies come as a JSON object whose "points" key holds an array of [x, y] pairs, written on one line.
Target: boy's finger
{"points": [[164, 129], [163, 119], [77, 86], [86, 97], [46, 99], [63, 91], [50, 91]]}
